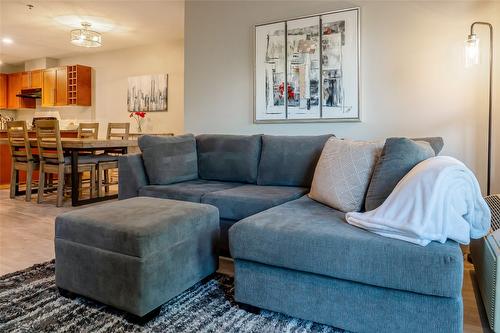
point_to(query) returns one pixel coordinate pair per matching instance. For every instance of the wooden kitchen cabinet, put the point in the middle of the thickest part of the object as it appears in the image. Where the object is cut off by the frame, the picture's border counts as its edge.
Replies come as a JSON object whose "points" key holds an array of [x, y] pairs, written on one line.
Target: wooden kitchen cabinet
{"points": [[13, 88], [55, 86], [79, 85], [49, 77], [25, 80], [36, 79], [61, 86], [31, 80], [3, 91], [68, 85]]}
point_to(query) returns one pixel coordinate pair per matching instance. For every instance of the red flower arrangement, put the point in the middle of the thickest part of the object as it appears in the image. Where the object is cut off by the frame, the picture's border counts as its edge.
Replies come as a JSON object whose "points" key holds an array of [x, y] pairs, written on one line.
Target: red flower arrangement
{"points": [[139, 117], [138, 114]]}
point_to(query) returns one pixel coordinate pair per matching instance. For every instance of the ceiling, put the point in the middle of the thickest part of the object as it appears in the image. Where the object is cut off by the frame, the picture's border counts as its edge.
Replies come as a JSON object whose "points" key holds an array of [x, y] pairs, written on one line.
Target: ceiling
{"points": [[43, 31]]}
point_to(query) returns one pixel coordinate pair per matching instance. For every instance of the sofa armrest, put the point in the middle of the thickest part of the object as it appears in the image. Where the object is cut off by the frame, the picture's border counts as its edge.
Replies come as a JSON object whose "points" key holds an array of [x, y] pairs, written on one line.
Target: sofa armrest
{"points": [[131, 176]]}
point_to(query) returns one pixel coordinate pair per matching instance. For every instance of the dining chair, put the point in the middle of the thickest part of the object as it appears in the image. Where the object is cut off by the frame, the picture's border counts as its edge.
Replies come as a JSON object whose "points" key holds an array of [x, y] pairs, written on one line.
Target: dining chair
{"points": [[115, 131], [118, 131], [22, 157], [53, 161], [88, 130]]}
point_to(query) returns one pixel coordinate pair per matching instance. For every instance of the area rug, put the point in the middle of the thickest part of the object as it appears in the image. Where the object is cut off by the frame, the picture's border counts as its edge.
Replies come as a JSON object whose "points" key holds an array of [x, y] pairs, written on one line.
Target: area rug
{"points": [[30, 302]]}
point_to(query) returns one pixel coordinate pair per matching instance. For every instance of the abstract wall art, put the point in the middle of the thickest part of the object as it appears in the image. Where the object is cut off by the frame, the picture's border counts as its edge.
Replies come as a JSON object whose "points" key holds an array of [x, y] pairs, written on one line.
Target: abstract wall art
{"points": [[148, 93], [307, 69]]}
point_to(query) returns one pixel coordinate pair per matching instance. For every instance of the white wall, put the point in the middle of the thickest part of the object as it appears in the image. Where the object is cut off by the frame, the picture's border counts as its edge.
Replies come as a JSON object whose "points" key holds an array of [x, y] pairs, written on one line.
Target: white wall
{"points": [[413, 80], [110, 73]]}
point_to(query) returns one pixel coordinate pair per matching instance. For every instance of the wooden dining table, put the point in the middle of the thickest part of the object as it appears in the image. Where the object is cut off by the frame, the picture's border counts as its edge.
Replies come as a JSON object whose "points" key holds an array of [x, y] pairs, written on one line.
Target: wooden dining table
{"points": [[74, 147]]}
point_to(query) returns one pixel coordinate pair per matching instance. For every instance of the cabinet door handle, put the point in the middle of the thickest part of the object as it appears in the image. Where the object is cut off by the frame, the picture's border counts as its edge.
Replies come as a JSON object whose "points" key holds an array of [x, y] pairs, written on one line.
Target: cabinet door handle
{"points": [[54, 97]]}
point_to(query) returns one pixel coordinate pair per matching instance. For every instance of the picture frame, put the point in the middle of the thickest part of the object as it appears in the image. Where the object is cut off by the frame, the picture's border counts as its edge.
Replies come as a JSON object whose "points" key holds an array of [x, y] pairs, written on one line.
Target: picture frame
{"points": [[317, 59], [147, 93]]}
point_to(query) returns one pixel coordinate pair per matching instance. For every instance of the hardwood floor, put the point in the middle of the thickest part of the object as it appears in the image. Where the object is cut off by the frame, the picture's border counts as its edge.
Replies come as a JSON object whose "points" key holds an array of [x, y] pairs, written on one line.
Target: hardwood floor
{"points": [[27, 238]]}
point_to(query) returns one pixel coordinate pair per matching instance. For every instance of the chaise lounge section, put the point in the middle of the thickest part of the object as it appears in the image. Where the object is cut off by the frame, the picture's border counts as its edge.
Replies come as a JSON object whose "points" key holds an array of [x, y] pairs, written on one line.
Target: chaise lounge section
{"points": [[308, 262]]}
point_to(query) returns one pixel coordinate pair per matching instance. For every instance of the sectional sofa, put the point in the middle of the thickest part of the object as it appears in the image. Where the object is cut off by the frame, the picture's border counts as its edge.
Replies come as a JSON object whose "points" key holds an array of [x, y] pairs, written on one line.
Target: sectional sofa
{"points": [[292, 254]]}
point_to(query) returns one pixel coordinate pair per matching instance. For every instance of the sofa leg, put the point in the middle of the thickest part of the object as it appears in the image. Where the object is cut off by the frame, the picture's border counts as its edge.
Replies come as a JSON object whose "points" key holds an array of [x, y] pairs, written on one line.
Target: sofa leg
{"points": [[66, 293], [249, 308], [144, 319]]}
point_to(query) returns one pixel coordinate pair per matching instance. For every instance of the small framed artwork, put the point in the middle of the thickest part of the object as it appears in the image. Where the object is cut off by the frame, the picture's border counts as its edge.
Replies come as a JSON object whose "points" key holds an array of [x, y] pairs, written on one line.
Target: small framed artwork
{"points": [[148, 93], [307, 69]]}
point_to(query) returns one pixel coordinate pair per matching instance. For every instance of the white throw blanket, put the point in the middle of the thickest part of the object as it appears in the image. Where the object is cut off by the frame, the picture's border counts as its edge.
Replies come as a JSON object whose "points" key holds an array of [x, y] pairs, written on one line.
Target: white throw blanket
{"points": [[438, 199]]}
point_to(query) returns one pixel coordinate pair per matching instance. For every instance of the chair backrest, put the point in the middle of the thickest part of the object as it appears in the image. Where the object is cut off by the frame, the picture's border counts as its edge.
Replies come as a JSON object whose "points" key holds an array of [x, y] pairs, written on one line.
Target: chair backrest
{"points": [[49, 140], [88, 130], [19, 144], [118, 131]]}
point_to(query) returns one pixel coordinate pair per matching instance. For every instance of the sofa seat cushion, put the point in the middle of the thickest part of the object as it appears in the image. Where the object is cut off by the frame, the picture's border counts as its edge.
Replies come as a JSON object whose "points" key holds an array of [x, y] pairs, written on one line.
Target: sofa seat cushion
{"points": [[243, 201], [307, 236], [191, 190]]}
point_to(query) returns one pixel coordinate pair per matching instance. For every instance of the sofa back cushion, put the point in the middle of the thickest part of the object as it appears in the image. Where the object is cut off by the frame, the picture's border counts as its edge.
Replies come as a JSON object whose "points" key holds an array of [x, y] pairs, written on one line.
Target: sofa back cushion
{"points": [[169, 159], [233, 158], [289, 160], [398, 157]]}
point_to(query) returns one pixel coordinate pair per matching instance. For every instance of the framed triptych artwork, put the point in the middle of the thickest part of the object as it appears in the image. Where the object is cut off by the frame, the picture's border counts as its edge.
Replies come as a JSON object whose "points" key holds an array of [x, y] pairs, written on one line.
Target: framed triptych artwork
{"points": [[307, 69]]}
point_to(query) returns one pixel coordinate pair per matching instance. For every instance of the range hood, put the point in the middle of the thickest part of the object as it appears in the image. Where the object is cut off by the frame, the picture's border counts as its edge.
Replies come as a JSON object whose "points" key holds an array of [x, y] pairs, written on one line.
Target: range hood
{"points": [[30, 93]]}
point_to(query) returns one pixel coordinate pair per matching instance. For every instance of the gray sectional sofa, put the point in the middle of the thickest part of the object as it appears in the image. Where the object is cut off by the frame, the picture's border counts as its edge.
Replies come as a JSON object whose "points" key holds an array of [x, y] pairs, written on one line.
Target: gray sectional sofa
{"points": [[292, 254]]}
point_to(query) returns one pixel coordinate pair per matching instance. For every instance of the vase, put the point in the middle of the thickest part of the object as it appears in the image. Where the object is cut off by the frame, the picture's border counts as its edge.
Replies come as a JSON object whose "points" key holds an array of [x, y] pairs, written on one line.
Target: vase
{"points": [[139, 127]]}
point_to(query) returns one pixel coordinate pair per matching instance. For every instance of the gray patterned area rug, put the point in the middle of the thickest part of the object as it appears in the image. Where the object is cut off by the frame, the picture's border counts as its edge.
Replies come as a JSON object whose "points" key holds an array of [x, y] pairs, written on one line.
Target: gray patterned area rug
{"points": [[30, 302]]}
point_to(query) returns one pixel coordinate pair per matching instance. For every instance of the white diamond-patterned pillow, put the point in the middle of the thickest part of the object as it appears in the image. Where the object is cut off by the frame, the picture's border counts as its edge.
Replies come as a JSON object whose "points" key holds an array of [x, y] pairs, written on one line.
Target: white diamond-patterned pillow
{"points": [[343, 173]]}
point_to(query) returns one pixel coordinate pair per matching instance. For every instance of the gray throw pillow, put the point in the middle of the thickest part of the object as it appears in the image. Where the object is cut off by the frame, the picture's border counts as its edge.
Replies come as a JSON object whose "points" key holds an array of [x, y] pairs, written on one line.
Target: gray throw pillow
{"points": [[169, 159], [289, 160], [399, 156], [343, 173], [436, 143]]}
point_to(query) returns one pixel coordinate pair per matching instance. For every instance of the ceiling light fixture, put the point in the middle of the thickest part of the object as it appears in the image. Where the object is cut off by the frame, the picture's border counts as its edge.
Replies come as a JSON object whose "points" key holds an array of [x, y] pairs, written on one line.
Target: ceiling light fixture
{"points": [[85, 37], [7, 40]]}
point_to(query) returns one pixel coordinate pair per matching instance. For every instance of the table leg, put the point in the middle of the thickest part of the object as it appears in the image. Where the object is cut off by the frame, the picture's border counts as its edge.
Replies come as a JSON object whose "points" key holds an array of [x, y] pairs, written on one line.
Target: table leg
{"points": [[74, 177]]}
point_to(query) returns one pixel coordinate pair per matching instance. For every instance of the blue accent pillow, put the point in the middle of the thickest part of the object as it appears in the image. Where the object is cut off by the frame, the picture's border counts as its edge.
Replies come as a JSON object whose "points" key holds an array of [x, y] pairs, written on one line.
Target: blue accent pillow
{"points": [[398, 157], [169, 159]]}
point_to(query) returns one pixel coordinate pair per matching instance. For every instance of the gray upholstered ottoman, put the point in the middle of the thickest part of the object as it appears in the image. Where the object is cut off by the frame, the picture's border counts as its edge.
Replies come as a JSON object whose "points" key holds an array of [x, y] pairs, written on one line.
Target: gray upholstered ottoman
{"points": [[136, 254]]}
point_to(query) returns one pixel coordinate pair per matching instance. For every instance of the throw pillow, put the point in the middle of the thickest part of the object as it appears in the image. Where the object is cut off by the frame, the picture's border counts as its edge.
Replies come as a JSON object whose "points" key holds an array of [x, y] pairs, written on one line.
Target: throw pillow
{"points": [[169, 159], [436, 143], [343, 173], [289, 160], [399, 156], [228, 158]]}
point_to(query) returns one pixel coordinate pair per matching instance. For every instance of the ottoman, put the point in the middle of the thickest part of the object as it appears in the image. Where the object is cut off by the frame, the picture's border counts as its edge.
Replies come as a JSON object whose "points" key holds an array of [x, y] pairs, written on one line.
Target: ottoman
{"points": [[136, 254]]}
